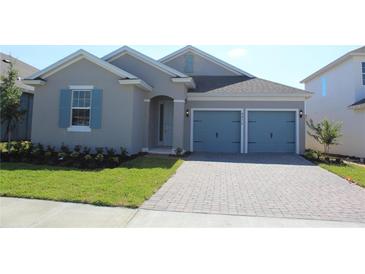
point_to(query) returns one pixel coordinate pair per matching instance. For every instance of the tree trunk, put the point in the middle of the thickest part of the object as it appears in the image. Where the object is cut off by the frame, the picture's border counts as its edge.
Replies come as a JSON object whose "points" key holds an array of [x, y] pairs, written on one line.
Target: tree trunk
{"points": [[8, 130], [325, 150]]}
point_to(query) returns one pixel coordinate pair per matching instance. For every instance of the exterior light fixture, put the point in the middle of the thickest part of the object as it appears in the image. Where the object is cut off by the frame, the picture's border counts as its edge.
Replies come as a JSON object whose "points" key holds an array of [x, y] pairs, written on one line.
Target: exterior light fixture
{"points": [[187, 113], [300, 113]]}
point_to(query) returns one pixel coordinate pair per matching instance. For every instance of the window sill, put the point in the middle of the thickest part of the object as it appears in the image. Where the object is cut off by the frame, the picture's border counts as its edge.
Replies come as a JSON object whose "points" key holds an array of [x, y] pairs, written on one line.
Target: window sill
{"points": [[79, 129]]}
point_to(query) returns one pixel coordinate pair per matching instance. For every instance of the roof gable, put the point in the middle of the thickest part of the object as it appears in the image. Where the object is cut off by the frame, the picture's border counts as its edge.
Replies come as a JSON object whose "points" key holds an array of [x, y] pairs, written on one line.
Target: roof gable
{"points": [[144, 58], [194, 50], [76, 56], [357, 52]]}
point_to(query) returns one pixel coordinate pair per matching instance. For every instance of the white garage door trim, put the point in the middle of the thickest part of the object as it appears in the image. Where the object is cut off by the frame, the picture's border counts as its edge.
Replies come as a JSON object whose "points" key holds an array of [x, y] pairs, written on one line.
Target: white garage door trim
{"points": [[274, 109], [213, 109]]}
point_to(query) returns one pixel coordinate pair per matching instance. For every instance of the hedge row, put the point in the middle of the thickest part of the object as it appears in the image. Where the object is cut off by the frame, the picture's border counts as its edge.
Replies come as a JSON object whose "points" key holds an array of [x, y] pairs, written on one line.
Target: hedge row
{"points": [[78, 157]]}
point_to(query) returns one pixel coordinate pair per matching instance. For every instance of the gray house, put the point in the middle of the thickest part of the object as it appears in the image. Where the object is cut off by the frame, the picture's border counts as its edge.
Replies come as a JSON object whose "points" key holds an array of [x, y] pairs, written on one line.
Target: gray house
{"points": [[188, 99], [22, 130]]}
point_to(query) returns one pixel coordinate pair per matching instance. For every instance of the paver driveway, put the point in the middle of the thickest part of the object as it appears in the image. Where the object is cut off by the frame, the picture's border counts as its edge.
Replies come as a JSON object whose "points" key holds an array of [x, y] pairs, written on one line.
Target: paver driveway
{"points": [[269, 185]]}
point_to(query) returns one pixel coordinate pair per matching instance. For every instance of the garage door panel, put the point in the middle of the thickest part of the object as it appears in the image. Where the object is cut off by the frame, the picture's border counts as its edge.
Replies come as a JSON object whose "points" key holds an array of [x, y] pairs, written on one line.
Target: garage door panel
{"points": [[271, 131], [217, 131]]}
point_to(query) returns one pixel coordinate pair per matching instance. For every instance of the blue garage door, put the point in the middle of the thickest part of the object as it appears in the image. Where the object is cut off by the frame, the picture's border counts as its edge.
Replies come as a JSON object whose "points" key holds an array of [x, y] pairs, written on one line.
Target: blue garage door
{"points": [[271, 131], [217, 131]]}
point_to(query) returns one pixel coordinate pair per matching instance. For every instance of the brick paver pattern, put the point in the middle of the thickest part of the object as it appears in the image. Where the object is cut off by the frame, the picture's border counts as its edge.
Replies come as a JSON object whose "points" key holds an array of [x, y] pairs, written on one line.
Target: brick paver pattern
{"points": [[267, 185]]}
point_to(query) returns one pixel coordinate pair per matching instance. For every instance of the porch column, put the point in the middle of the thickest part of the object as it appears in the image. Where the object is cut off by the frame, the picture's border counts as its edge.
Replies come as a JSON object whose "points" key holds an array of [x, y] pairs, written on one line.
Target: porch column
{"points": [[178, 126], [147, 103]]}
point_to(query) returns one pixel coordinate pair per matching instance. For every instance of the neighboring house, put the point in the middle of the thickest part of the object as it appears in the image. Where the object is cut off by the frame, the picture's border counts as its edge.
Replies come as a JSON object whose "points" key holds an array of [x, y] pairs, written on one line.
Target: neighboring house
{"points": [[339, 95], [189, 100], [22, 130]]}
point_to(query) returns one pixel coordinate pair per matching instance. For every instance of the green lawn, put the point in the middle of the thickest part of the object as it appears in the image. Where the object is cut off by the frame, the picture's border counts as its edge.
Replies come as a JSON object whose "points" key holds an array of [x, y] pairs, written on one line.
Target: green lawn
{"points": [[355, 172], [128, 185]]}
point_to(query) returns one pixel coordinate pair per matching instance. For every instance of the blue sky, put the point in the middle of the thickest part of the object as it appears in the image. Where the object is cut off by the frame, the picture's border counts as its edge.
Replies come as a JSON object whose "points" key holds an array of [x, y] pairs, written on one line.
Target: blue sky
{"points": [[285, 64]]}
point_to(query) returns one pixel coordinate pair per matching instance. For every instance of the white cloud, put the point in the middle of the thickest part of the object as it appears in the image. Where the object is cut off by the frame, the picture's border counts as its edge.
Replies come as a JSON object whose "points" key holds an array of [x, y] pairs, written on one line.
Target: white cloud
{"points": [[237, 53]]}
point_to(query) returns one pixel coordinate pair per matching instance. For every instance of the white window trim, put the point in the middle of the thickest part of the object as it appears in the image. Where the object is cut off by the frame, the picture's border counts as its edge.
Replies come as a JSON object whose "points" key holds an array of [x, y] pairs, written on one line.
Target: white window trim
{"points": [[79, 129], [81, 87], [297, 139], [73, 128], [213, 109]]}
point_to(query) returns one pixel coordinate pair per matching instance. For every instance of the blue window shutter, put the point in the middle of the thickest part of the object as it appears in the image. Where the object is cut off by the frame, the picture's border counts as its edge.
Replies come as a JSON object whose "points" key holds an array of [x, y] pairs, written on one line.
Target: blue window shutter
{"points": [[189, 62], [96, 110], [65, 108]]}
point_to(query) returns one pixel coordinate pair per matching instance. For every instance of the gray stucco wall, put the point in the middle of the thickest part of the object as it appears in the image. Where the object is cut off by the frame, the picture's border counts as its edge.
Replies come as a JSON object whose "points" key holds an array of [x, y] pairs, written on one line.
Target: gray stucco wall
{"points": [[243, 105], [139, 116], [159, 80], [117, 109], [201, 66]]}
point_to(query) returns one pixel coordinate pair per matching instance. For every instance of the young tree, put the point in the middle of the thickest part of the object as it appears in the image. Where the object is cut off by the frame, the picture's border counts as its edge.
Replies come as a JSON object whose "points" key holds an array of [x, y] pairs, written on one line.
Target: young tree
{"points": [[326, 133], [10, 111]]}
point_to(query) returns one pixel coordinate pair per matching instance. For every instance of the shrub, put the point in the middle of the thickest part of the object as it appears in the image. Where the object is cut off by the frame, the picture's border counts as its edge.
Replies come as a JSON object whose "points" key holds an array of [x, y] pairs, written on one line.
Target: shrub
{"points": [[88, 162], [110, 152], [178, 151], [80, 157], [77, 148], [38, 154], [64, 148], [49, 155], [99, 158], [326, 133], [86, 150], [99, 150], [113, 161], [13, 151], [25, 151]]}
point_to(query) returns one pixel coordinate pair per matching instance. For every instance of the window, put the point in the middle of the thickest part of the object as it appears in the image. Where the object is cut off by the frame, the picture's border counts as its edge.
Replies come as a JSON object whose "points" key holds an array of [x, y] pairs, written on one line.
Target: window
{"points": [[324, 86], [80, 112], [363, 72], [189, 63]]}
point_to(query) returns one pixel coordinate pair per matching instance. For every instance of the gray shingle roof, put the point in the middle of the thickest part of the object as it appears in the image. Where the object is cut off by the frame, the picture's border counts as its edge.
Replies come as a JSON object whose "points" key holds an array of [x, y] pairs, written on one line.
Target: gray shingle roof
{"points": [[360, 102], [24, 69], [241, 85]]}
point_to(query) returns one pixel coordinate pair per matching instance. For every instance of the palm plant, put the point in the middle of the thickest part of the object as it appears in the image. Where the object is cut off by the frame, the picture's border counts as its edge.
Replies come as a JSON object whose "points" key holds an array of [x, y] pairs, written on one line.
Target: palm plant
{"points": [[326, 133]]}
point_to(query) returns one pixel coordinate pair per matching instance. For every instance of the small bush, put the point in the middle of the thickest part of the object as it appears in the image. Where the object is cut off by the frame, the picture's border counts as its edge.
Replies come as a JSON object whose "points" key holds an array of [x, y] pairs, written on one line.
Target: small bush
{"points": [[86, 150], [38, 154], [99, 150], [64, 148], [50, 155], [178, 151], [79, 157], [99, 159]]}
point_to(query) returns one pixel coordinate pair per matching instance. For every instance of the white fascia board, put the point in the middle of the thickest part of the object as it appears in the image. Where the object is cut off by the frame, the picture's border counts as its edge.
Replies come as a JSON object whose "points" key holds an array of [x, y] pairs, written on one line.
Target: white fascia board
{"points": [[205, 55], [142, 57], [188, 81], [138, 82], [32, 82], [76, 56]]}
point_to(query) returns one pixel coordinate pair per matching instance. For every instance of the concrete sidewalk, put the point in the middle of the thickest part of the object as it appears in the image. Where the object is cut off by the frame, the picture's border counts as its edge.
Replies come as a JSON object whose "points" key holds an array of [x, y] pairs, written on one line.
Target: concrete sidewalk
{"points": [[16, 212]]}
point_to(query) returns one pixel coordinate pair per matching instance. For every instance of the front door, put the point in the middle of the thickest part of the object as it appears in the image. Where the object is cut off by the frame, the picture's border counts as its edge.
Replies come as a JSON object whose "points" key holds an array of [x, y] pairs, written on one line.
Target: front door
{"points": [[165, 123]]}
